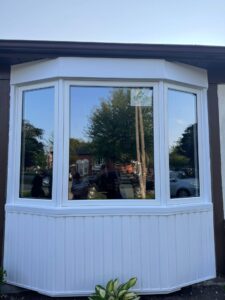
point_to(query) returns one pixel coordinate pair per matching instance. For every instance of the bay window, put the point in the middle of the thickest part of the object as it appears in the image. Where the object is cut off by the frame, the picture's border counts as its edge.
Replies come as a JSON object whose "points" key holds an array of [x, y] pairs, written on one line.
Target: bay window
{"points": [[96, 140], [108, 171]]}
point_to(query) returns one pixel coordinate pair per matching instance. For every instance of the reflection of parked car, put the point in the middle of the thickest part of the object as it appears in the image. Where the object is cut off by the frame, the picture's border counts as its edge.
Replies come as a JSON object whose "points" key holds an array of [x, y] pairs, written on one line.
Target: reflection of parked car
{"points": [[182, 186]]}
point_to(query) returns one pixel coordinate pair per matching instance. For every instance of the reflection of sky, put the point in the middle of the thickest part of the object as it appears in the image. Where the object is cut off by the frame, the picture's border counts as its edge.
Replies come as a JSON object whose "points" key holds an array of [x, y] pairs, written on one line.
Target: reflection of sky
{"points": [[38, 109], [181, 114], [84, 100]]}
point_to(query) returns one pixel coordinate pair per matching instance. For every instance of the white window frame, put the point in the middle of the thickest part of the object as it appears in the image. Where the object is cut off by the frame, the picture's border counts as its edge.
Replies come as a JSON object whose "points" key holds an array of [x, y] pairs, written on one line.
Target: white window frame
{"points": [[158, 74], [108, 83], [15, 164], [202, 127]]}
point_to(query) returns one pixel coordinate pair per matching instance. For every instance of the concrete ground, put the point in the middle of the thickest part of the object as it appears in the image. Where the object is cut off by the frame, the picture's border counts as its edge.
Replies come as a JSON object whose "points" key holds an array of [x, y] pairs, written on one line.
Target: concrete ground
{"points": [[209, 290]]}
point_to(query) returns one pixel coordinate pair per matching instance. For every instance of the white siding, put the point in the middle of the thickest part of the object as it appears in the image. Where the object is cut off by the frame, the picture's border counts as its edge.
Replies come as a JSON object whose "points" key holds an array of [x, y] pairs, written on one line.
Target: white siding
{"points": [[69, 255]]}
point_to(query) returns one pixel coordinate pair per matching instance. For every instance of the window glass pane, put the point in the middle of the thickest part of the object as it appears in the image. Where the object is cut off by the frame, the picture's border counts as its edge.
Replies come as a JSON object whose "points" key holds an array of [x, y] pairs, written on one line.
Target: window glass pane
{"points": [[183, 144], [37, 144], [111, 143]]}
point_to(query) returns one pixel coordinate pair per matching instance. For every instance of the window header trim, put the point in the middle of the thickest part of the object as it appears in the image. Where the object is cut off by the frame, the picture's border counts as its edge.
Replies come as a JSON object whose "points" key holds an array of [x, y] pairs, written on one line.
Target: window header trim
{"points": [[109, 69]]}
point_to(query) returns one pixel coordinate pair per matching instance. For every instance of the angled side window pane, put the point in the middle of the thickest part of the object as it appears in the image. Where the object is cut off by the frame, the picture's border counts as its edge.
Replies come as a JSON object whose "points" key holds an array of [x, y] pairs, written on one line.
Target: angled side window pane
{"points": [[183, 144], [37, 138], [111, 143]]}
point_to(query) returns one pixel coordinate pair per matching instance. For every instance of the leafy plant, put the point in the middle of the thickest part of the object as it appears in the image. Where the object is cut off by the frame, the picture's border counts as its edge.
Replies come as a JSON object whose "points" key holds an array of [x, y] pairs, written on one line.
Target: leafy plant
{"points": [[3, 274], [115, 291]]}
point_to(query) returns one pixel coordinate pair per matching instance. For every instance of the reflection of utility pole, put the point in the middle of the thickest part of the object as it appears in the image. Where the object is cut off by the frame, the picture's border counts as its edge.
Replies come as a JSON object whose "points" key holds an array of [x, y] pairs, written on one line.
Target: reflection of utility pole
{"points": [[143, 160], [140, 154]]}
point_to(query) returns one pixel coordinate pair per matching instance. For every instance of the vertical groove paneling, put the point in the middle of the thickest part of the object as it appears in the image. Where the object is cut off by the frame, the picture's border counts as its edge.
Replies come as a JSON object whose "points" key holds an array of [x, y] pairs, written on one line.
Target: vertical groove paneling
{"points": [[108, 247], [145, 249], [182, 246], [98, 250], [72, 254], [126, 248], [194, 248], [117, 247], [155, 257], [171, 249], [163, 251]]}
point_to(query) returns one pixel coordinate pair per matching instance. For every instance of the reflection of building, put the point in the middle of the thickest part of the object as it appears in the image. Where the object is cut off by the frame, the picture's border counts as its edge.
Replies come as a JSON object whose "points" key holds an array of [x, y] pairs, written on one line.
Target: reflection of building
{"points": [[84, 162], [82, 167], [50, 159], [85, 234]]}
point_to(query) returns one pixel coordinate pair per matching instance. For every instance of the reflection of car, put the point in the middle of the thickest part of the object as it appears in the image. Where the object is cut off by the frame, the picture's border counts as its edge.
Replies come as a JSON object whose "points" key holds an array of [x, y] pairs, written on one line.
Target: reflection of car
{"points": [[182, 186]]}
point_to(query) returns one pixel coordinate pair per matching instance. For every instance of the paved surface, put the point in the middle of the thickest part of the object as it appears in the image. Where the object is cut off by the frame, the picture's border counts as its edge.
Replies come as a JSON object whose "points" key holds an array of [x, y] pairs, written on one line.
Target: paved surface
{"points": [[209, 290]]}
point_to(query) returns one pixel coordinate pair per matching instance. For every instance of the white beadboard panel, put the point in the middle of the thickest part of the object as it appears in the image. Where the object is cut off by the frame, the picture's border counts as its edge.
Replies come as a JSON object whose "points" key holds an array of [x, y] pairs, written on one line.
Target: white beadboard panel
{"points": [[69, 255]]}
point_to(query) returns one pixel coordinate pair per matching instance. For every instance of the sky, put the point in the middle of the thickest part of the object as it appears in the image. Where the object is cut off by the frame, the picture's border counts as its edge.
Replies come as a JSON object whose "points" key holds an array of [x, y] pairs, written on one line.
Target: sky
{"points": [[200, 22], [84, 100], [38, 109]]}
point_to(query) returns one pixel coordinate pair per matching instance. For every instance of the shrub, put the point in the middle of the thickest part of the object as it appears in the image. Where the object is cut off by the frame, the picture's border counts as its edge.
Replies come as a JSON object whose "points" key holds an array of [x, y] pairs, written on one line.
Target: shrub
{"points": [[115, 291]]}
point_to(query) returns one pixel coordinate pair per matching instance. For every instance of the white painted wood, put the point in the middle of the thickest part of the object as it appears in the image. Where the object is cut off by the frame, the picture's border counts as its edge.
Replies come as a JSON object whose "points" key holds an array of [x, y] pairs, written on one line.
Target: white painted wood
{"points": [[108, 68], [68, 255]]}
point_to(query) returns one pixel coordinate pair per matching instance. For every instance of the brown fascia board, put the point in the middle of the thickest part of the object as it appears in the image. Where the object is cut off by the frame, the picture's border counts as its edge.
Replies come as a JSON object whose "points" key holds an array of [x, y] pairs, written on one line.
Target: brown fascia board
{"points": [[209, 57]]}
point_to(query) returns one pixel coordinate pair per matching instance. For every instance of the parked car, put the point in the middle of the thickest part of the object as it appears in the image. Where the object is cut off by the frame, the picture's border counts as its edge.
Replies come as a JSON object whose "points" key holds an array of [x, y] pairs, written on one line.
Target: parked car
{"points": [[182, 186]]}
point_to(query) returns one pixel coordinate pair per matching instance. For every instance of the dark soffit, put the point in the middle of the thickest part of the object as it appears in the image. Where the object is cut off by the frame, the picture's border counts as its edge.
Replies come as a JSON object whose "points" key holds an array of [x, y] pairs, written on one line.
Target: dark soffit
{"points": [[18, 51]]}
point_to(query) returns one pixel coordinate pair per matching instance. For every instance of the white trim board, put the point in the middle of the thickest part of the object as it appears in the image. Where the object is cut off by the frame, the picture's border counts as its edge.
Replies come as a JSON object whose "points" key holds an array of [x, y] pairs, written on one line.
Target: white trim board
{"points": [[108, 68]]}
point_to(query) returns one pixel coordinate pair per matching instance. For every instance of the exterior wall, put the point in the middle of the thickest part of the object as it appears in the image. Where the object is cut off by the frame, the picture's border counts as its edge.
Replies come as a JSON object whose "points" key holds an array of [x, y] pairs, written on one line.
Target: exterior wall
{"points": [[69, 254], [221, 102], [216, 176], [4, 127]]}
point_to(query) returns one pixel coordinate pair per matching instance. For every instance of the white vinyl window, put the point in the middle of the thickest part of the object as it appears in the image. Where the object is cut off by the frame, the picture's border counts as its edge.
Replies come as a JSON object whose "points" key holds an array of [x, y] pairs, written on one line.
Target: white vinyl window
{"points": [[109, 142]]}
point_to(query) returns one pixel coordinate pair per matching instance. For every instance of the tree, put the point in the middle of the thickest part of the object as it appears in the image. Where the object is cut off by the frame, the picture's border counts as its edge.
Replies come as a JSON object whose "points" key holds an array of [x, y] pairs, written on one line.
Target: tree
{"points": [[187, 145], [32, 146], [185, 152], [112, 128]]}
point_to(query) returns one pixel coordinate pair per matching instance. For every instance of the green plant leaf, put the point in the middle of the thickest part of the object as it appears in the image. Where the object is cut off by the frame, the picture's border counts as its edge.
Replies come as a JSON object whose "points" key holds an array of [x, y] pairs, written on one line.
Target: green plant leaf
{"points": [[101, 291], [131, 282], [110, 286], [122, 293], [129, 296], [116, 284]]}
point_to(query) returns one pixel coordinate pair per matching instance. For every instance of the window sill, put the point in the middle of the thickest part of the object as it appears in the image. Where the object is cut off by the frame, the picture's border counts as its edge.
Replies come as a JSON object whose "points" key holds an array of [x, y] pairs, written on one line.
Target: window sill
{"points": [[109, 210]]}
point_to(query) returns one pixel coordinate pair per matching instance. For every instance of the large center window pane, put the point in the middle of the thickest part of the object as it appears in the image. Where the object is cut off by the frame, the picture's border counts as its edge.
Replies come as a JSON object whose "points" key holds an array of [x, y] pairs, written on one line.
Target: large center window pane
{"points": [[111, 143], [37, 144], [183, 144]]}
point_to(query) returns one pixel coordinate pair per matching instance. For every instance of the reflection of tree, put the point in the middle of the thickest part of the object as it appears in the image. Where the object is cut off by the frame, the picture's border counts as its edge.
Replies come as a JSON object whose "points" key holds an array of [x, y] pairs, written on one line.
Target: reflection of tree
{"points": [[33, 153], [112, 128], [121, 133], [184, 154], [78, 147]]}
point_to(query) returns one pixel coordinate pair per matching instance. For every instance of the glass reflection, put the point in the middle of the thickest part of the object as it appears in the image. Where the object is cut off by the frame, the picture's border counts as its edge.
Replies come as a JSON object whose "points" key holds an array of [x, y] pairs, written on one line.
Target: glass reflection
{"points": [[37, 144], [183, 144], [111, 143]]}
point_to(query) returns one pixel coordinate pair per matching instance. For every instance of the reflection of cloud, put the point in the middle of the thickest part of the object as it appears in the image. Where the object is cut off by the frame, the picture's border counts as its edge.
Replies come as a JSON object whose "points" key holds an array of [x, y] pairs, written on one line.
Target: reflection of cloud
{"points": [[181, 122]]}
